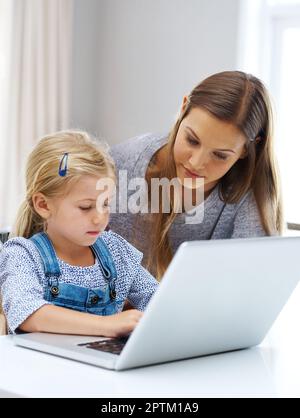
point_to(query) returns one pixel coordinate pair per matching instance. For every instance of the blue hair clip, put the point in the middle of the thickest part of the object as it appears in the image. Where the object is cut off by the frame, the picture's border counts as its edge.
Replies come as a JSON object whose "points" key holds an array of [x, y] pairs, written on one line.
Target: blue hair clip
{"points": [[63, 166]]}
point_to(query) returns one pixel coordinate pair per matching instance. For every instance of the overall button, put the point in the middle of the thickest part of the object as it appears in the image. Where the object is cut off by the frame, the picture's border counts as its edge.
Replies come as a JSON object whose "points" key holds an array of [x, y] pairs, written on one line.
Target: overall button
{"points": [[94, 300], [54, 290], [113, 294]]}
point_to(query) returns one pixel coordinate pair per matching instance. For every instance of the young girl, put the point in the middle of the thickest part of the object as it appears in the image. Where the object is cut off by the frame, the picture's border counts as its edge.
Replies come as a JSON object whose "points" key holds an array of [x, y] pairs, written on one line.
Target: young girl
{"points": [[62, 273], [223, 135]]}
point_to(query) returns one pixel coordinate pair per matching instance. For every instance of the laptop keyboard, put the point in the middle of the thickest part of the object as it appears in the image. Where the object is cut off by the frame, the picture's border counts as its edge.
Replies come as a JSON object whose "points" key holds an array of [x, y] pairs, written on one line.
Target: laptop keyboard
{"points": [[114, 346]]}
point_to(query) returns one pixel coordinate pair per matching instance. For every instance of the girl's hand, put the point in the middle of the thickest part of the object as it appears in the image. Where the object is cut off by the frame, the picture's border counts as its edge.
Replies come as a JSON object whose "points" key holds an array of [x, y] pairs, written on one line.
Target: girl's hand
{"points": [[120, 324]]}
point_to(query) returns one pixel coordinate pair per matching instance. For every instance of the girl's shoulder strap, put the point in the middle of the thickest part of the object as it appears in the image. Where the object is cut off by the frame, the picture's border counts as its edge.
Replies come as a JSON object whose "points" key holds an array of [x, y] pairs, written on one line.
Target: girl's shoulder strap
{"points": [[101, 251], [47, 253]]}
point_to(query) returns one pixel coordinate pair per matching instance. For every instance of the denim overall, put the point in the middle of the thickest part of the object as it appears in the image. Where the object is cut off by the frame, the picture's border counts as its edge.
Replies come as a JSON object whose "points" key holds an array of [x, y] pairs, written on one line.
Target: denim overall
{"points": [[98, 301]]}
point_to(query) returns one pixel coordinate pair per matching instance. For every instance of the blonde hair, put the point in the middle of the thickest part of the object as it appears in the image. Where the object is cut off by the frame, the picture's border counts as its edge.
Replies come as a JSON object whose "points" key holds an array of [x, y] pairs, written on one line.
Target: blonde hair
{"points": [[243, 100], [85, 157]]}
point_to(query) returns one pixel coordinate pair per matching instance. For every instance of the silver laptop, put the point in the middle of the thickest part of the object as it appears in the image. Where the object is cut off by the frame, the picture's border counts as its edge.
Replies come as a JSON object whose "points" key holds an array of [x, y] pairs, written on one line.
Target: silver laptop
{"points": [[216, 296]]}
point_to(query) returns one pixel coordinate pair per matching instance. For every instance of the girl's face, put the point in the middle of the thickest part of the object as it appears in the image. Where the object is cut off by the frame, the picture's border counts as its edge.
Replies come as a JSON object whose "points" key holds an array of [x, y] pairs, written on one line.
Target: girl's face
{"points": [[76, 217], [206, 147]]}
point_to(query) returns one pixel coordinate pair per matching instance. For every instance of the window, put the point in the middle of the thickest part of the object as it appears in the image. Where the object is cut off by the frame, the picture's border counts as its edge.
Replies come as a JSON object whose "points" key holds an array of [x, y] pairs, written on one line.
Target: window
{"points": [[274, 56], [285, 84]]}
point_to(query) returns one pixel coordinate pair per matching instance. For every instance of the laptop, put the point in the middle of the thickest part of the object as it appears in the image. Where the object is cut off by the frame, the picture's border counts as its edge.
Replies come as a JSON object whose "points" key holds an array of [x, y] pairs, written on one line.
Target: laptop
{"points": [[216, 296]]}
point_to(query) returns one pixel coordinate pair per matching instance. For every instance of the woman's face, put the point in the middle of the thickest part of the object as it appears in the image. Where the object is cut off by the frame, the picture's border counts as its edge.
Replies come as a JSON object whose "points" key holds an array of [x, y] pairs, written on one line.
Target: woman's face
{"points": [[206, 147]]}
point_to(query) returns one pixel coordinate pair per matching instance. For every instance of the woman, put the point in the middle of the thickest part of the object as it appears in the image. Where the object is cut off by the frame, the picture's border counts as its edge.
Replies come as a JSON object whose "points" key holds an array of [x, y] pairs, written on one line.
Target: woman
{"points": [[223, 136]]}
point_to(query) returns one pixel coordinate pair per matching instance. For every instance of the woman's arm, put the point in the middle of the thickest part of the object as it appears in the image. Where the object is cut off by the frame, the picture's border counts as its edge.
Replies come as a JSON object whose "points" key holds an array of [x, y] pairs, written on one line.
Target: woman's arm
{"points": [[54, 319]]}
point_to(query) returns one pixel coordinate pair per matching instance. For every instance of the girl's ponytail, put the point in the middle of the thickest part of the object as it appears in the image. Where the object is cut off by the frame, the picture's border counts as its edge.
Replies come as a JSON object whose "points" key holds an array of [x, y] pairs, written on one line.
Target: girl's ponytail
{"points": [[28, 222]]}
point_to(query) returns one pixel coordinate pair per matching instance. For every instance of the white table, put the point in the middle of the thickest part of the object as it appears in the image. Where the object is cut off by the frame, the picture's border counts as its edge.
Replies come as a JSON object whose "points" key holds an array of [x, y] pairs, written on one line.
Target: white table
{"points": [[272, 369]]}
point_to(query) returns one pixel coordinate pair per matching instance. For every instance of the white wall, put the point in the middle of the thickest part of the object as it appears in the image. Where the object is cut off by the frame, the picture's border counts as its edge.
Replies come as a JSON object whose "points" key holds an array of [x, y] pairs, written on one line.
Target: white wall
{"points": [[85, 65], [135, 59]]}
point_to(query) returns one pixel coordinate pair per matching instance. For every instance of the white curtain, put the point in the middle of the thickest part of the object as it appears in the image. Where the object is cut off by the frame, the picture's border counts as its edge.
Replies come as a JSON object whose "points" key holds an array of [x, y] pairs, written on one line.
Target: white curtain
{"points": [[5, 50], [39, 93]]}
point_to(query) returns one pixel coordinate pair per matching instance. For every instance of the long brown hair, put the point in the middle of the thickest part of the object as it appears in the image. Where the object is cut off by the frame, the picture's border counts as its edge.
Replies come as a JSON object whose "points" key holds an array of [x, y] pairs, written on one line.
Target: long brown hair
{"points": [[240, 99]]}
